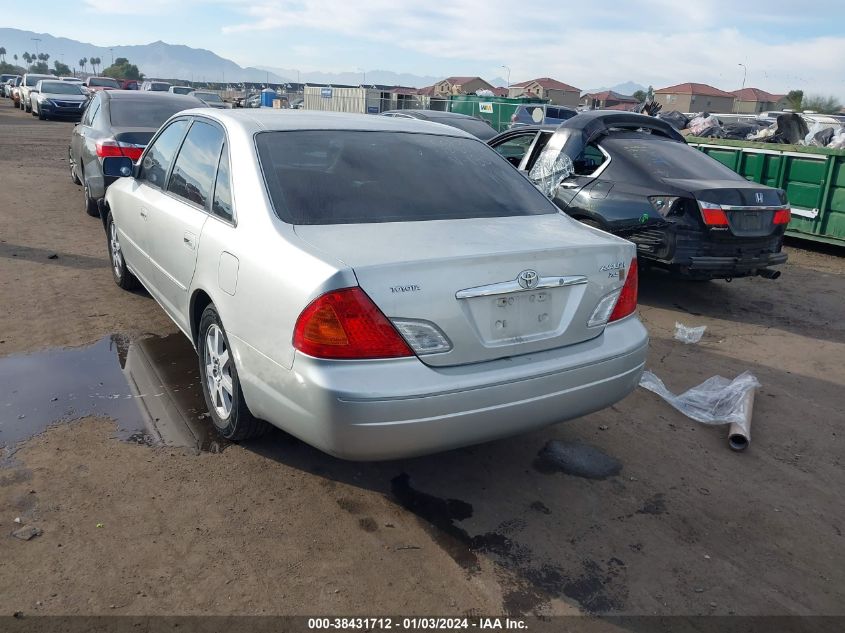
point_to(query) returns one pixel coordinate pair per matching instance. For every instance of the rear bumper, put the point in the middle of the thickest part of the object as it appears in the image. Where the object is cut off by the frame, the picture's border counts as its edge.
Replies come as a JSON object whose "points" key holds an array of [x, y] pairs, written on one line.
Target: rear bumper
{"points": [[374, 410], [737, 265], [695, 253]]}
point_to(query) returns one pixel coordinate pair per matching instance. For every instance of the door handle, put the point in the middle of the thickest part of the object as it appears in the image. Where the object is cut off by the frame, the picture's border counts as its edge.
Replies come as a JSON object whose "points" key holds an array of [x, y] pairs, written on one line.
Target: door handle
{"points": [[189, 240], [569, 185]]}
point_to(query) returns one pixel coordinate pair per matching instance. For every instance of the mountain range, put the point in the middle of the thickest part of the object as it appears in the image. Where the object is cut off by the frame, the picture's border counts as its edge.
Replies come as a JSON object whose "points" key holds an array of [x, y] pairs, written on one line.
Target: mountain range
{"points": [[176, 61]]}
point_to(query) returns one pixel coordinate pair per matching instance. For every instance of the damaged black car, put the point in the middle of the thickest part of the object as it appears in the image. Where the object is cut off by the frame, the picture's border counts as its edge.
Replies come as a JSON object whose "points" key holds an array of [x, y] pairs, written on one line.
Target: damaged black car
{"points": [[635, 176]]}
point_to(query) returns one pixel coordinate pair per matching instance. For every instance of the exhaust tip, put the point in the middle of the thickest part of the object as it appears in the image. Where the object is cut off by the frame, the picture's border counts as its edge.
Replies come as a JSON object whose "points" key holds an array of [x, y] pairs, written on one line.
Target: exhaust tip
{"points": [[737, 442], [769, 274]]}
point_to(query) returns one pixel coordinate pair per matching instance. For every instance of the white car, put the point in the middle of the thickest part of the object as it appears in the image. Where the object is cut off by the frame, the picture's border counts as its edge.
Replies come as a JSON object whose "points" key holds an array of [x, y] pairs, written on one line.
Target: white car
{"points": [[377, 287]]}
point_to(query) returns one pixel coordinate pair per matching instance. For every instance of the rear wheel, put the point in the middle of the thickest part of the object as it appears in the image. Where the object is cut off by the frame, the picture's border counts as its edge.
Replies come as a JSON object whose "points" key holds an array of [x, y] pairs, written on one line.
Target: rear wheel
{"points": [[72, 164], [120, 273], [220, 384], [90, 204]]}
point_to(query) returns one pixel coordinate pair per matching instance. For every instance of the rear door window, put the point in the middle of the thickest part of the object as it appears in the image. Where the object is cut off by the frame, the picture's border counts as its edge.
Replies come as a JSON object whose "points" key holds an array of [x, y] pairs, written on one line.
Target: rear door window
{"points": [[157, 160], [589, 161], [515, 148], [196, 165], [353, 177], [146, 112]]}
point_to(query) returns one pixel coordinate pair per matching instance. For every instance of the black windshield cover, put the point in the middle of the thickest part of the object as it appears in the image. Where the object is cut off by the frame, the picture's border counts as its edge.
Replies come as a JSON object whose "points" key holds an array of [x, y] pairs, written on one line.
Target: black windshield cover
{"points": [[354, 177]]}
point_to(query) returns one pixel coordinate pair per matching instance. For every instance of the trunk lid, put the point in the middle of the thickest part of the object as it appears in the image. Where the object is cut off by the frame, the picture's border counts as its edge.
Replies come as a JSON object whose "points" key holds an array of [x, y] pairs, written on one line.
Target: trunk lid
{"points": [[750, 207], [462, 275]]}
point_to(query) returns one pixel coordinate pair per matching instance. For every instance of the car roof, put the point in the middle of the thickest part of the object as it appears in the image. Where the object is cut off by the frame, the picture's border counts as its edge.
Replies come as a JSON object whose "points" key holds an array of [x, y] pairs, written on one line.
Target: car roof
{"points": [[138, 95], [262, 120], [432, 114]]}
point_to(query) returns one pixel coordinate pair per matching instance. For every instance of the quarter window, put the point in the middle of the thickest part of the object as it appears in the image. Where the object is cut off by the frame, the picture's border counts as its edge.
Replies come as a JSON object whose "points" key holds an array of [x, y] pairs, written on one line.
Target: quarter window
{"points": [[196, 164], [221, 206], [158, 158]]}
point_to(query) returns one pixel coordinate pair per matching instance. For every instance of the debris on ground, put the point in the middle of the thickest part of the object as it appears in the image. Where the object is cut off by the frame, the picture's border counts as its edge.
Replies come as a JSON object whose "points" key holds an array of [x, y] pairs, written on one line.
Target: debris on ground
{"points": [[27, 532], [716, 401], [688, 335]]}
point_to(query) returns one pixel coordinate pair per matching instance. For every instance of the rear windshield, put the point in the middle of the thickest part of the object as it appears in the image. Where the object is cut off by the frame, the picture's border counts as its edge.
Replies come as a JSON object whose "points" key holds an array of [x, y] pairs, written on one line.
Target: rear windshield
{"points": [[144, 112], [60, 88], [159, 87], [208, 96], [31, 80], [181, 90], [103, 82], [356, 177], [669, 159]]}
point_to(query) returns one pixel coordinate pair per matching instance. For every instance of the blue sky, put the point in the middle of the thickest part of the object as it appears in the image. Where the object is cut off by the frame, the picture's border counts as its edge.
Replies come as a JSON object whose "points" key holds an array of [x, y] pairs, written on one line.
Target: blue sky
{"points": [[783, 43]]}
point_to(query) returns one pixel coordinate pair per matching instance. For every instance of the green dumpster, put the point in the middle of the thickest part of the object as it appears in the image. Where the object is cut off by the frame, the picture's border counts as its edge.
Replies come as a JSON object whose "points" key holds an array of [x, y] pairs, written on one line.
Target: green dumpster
{"points": [[813, 178], [497, 111]]}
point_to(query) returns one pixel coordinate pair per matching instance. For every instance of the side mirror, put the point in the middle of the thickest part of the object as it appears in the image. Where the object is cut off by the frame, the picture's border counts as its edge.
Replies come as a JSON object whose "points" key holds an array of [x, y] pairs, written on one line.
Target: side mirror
{"points": [[117, 166], [32, 91]]}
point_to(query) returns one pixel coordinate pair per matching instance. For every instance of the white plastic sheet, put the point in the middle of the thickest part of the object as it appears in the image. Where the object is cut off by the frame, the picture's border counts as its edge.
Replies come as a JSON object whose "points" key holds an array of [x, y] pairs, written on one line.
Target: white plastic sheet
{"points": [[688, 335], [716, 401], [550, 170]]}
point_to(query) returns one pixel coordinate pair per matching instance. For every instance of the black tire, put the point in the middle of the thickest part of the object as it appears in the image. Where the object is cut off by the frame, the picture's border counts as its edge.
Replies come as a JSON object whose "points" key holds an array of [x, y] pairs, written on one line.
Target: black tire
{"points": [[91, 207], [42, 116], [239, 423], [72, 164], [27, 108], [119, 272]]}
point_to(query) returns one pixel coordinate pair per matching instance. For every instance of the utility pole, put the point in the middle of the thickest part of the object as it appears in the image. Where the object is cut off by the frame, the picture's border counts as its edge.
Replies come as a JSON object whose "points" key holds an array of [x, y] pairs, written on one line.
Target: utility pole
{"points": [[744, 73], [36, 40], [509, 74], [112, 56]]}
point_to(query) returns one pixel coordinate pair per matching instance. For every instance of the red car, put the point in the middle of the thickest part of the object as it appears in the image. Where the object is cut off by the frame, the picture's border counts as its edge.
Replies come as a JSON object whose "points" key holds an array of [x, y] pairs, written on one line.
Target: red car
{"points": [[94, 84], [129, 84]]}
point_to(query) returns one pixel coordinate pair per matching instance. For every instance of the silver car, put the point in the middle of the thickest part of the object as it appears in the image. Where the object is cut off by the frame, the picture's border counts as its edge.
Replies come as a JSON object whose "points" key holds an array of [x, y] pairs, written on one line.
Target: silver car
{"points": [[377, 287]]}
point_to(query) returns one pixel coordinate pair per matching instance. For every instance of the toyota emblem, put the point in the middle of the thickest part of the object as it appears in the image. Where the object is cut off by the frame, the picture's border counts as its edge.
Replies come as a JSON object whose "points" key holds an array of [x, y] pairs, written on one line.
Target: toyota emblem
{"points": [[528, 279]]}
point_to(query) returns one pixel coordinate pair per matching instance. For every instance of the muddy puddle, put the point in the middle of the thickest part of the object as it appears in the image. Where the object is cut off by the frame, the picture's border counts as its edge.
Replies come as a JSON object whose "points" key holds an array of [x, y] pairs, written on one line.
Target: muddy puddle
{"points": [[149, 386]]}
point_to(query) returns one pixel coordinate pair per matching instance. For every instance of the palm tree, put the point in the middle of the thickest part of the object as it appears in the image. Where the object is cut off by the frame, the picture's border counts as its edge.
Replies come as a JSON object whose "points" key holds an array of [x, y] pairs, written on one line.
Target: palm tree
{"points": [[3, 53], [95, 62], [15, 57], [82, 63], [27, 57], [43, 57]]}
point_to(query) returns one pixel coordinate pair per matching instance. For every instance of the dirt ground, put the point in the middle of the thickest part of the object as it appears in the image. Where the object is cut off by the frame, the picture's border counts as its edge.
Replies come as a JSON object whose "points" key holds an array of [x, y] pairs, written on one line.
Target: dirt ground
{"points": [[274, 527]]}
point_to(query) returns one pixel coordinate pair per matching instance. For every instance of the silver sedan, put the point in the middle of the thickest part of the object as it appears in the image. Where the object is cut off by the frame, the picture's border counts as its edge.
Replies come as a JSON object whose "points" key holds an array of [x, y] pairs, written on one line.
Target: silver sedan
{"points": [[377, 287]]}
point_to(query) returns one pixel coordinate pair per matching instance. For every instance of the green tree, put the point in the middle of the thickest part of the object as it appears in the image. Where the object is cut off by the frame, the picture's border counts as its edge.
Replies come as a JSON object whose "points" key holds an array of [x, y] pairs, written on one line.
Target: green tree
{"points": [[40, 67], [122, 69], [3, 53], [95, 62], [82, 63], [822, 105], [793, 99], [27, 57], [60, 69], [639, 95], [15, 57]]}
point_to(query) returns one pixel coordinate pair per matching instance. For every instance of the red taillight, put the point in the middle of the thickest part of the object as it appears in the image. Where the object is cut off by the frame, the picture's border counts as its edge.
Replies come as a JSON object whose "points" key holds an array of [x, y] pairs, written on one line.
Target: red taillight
{"points": [[714, 217], [627, 302], [113, 148], [346, 324], [782, 216]]}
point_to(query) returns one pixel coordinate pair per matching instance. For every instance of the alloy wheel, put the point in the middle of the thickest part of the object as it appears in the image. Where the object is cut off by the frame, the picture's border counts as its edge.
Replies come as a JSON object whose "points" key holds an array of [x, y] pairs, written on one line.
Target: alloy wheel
{"points": [[218, 371]]}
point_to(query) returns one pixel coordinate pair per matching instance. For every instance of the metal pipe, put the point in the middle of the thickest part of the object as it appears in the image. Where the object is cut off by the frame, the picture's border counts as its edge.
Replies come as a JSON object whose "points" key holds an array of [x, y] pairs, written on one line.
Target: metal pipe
{"points": [[739, 434], [768, 273]]}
